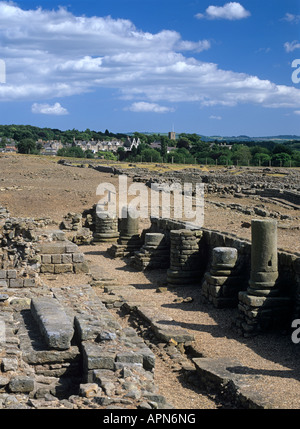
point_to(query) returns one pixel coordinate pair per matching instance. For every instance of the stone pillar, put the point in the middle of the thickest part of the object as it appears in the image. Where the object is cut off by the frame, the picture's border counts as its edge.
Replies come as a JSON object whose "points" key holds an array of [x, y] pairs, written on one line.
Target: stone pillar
{"points": [[264, 261], [222, 284], [262, 306], [184, 257], [106, 227], [129, 225], [129, 240], [154, 254]]}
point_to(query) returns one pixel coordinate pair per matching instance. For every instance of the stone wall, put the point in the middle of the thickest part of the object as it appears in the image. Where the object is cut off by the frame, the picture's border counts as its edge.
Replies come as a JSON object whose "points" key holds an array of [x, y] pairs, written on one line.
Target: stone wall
{"points": [[229, 288]]}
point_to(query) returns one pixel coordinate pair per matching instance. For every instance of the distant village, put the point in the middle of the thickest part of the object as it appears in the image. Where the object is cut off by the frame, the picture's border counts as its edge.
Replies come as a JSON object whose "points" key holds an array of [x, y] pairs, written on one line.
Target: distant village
{"points": [[51, 147]]}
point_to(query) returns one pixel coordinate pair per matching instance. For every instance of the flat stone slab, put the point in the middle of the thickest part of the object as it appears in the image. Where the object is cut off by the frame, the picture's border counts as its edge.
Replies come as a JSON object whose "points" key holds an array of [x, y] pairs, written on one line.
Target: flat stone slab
{"points": [[229, 377], [56, 327]]}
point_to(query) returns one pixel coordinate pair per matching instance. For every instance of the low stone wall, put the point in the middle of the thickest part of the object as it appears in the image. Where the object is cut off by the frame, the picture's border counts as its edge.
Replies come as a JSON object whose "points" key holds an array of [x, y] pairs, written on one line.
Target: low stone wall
{"points": [[12, 279], [61, 257], [256, 313], [282, 194]]}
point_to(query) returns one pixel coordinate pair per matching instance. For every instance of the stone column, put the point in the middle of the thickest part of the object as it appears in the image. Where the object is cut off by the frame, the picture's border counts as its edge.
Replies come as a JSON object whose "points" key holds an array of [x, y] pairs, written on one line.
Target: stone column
{"points": [[222, 284], [106, 227], [264, 260], [155, 252], [129, 225], [129, 240], [262, 307], [184, 257]]}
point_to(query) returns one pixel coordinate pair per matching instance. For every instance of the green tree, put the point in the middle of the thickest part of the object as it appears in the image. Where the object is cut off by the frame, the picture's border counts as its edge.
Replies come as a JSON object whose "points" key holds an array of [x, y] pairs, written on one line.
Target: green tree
{"points": [[241, 154], [163, 146], [71, 152], [261, 159], [107, 155], [28, 146], [183, 142], [121, 153], [151, 155], [3, 142], [281, 148], [281, 159]]}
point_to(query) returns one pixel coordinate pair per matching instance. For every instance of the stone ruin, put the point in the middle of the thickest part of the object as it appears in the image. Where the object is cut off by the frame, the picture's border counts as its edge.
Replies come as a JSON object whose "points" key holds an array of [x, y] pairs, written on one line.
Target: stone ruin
{"points": [[61, 347], [255, 277]]}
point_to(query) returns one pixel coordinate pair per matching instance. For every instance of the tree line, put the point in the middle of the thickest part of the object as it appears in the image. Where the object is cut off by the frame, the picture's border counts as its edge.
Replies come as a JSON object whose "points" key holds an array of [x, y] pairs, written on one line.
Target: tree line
{"points": [[186, 149], [190, 149]]}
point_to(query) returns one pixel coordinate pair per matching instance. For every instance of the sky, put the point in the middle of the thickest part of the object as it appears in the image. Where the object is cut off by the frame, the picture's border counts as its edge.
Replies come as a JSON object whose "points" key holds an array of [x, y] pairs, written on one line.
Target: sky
{"points": [[190, 66]]}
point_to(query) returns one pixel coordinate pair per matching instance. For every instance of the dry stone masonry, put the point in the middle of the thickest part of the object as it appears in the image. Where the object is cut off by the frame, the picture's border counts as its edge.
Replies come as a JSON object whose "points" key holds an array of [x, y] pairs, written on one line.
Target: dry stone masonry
{"points": [[62, 256], [221, 284], [105, 226], [62, 347], [184, 257], [262, 304], [129, 240], [154, 254]]}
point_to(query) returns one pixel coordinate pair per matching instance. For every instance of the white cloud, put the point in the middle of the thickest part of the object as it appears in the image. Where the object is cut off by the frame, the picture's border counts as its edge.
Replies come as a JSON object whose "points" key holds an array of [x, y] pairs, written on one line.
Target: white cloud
{"points": [[218, 118], [289, 17], [55, 54], [290, 47], [142, 106], [231, 11], [297, 112], [47, 109]]}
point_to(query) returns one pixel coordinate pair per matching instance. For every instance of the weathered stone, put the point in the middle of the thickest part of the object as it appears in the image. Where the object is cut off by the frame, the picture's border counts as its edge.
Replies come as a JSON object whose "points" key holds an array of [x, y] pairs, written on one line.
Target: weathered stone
{"points": [[88, 390], [54, 324], [21, 384], [63, 268], [95, 357]]}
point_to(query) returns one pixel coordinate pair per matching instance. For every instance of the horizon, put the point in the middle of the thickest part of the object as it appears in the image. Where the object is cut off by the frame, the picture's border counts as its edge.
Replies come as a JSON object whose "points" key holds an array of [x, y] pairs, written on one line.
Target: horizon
{"points": [[213, 68], [162, 132]]}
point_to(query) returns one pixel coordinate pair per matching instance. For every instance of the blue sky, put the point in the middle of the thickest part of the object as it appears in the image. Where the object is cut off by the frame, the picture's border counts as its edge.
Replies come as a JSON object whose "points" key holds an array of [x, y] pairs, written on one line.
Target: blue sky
{"points": [[209, 67]]}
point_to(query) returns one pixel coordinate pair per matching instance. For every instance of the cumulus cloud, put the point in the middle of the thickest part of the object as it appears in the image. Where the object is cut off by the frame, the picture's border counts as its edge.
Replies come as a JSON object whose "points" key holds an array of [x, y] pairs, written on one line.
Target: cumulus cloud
{"points": [[231, 11], [53, 54], [47, 109], [142, 106]]}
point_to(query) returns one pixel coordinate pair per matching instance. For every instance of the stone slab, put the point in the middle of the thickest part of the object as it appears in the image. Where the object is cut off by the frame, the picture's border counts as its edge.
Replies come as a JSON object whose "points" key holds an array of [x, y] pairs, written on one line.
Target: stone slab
{"points": [[54, 324]]}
